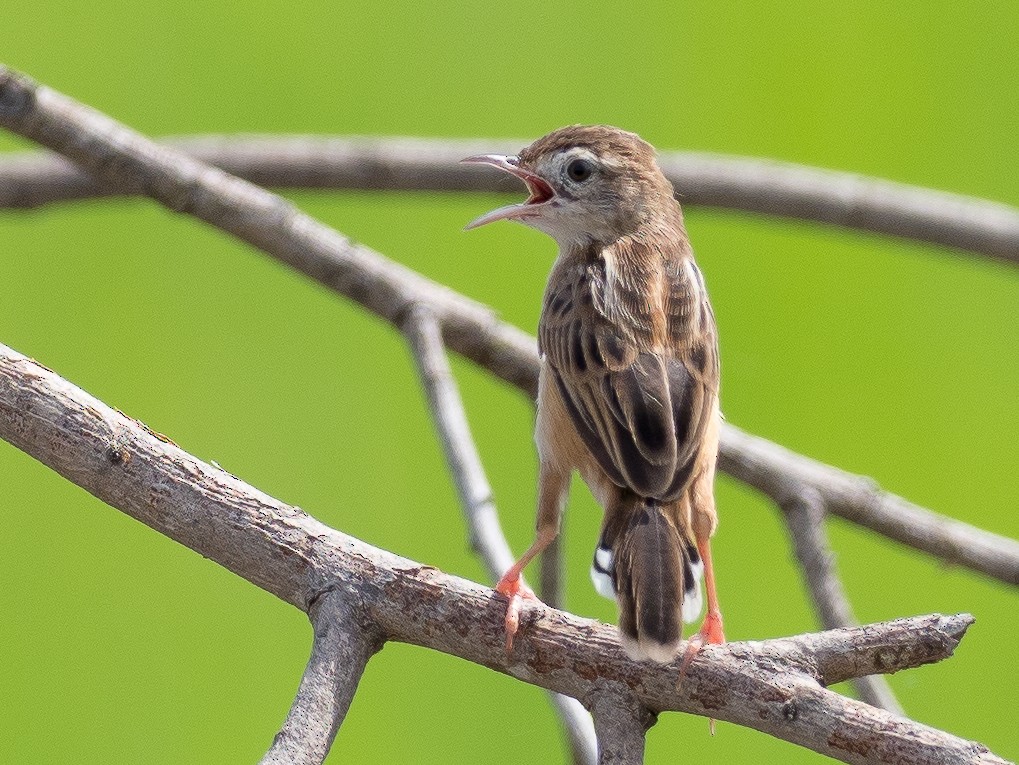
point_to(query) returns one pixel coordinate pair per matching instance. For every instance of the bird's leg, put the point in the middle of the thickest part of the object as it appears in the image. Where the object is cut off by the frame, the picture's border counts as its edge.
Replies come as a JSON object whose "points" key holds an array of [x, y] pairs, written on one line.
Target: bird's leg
{"points": [[552, 488], [512, 584], [711, 629]]}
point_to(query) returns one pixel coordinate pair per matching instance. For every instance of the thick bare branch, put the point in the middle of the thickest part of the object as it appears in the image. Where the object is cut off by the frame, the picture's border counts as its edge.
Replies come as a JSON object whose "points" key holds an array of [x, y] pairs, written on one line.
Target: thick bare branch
{"points": [[125, 160], [774, 686], [782, 474], [736, 183], [621, 722], [339, 654], [485, 531], [804, 515]]}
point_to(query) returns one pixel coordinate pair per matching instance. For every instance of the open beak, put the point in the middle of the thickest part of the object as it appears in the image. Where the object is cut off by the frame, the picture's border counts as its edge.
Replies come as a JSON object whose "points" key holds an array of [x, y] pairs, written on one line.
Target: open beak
{"points": [[539, 190]]}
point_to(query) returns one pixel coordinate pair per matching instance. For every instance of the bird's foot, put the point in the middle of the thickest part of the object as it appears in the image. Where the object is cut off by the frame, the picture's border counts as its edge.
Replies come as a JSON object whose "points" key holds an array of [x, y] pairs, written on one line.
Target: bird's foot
{"points": [[711, 634], [515, 591]]}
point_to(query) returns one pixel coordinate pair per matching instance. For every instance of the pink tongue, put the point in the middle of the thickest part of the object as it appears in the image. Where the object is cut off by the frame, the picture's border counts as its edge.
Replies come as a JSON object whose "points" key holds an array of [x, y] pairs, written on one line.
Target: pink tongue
{"points": [[539, 192]]}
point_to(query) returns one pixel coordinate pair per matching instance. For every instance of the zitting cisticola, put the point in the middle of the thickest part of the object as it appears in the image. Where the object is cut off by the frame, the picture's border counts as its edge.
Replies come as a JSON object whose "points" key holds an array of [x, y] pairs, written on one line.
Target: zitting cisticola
{"points": [[628, 388]]}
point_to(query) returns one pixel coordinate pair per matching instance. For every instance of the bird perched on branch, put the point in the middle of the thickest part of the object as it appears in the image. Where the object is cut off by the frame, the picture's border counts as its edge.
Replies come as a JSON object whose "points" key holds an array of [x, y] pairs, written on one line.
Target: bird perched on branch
{"points": [[628, 387]]}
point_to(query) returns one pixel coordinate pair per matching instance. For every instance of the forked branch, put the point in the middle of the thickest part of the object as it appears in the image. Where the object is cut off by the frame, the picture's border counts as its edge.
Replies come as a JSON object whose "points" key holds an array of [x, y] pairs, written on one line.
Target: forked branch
{"points": [[123, 160], [782, 475], [776, 686], [484, 530], [804, 515], [340, 651]]}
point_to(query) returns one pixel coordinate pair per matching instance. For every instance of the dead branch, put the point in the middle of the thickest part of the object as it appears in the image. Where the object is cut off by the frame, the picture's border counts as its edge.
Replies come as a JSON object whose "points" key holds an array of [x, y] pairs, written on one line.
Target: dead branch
{"points": [[484, 530], [776, 686], [736, 183], [341, 650], [782, 474], [804, 515], [127, 161], [621, 722]]}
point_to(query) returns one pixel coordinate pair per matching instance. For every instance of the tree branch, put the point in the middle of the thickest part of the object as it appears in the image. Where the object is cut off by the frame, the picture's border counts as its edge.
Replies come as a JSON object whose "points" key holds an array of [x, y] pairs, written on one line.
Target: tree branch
{"points": [[804, 516], [485, 531], [736, 183], [621, 722], [123, 159], [782, 474], [775, 686], [339, 654]]}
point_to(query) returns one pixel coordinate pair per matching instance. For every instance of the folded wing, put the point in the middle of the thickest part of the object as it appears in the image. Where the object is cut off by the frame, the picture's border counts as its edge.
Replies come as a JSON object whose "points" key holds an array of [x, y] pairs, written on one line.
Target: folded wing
{"points": [[639, 399]]}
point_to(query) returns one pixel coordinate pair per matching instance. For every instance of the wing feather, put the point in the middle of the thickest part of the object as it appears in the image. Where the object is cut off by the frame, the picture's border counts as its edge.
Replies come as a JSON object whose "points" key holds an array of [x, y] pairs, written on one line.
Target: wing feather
{"points": [[639, 399]]}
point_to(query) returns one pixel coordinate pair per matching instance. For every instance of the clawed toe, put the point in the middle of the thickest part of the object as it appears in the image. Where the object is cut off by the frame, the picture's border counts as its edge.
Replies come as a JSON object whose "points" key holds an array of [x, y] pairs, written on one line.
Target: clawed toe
{"points": [[711, 634], [516, 592]]}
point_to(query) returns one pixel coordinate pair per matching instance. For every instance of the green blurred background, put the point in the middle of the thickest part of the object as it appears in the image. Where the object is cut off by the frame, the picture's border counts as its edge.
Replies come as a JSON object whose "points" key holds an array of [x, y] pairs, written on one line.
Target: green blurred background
{"points": [[891, 359]]}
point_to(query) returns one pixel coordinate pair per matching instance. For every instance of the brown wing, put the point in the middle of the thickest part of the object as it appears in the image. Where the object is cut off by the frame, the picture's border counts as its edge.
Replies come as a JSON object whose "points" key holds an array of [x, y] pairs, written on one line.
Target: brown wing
{"points": [[633, 371]]}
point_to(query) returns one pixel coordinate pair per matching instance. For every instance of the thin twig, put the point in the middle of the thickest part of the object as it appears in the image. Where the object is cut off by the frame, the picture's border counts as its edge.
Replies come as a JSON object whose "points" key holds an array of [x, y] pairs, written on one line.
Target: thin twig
{"points": [[736, 183], [125, 160], [485, 531], [578, 726], [339, 654], [804, 516], [775, 686]]}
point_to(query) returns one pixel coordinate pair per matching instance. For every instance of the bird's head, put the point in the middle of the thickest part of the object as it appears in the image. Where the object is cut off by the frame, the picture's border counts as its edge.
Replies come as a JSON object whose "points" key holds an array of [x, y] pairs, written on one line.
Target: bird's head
{"points": [[587, 183]]}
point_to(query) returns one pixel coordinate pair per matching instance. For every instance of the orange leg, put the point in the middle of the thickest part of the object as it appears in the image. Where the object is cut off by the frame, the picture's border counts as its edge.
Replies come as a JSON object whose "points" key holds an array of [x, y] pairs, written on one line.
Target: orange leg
{"points": [[711, 629], [553, 486], [512, 584]]}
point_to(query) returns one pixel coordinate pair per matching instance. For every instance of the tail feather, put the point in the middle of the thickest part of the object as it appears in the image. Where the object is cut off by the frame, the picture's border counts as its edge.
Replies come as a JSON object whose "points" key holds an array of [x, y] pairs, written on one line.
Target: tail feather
{"points": [[654, 573], [693, 572]]}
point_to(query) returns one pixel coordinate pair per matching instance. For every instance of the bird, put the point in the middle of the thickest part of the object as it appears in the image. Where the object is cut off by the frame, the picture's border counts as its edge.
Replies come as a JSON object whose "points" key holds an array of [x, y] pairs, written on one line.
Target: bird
{"points": [[628, 387]]}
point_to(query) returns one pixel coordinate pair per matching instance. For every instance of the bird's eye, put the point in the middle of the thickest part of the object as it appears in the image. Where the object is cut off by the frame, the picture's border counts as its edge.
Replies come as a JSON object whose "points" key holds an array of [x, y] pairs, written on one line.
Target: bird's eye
{"points": [[579, 170]]}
